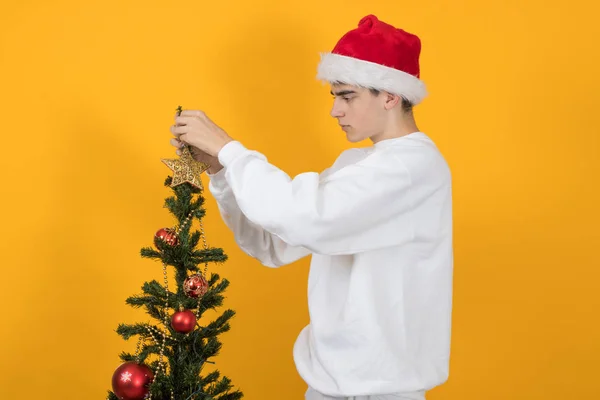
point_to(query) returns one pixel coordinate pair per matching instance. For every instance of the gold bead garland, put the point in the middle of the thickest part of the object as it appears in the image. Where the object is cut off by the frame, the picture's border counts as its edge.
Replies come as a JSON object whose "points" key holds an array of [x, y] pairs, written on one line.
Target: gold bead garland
{"points": [[187, 219], [161, 363], [203, 236], [151, 330], [205, 244]]}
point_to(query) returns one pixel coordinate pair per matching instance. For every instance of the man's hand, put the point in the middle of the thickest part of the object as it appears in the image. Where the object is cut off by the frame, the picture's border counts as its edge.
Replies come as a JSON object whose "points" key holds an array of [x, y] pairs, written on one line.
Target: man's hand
{"points": [[199, 155], [196, 129]]}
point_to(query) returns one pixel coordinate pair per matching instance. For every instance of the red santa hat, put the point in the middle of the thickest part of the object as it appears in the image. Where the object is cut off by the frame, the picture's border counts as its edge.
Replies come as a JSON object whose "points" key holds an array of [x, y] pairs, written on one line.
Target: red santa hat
{"points": [[379, 56]]}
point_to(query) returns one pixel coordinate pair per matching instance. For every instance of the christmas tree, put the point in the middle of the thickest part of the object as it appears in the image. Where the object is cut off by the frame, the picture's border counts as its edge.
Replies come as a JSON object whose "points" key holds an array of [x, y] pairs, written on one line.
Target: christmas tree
{"points": [[172, 352]]}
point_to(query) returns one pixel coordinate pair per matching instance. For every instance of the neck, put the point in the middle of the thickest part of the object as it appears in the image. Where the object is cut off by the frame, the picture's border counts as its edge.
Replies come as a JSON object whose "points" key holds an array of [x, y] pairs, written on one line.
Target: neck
{"points": [[399, 126]]}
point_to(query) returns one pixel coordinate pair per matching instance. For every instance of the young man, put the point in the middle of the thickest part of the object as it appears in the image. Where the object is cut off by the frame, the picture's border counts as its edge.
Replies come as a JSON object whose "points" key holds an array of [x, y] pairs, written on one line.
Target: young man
{"points": [[378, 224]]}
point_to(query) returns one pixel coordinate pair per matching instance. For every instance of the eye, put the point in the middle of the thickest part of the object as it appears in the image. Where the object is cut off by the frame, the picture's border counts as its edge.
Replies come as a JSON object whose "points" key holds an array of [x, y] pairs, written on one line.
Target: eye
{"points": [[345, 98]]}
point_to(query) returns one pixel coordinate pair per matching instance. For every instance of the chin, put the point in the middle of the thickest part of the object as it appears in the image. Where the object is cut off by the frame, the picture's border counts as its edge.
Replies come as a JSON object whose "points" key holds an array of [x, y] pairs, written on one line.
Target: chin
{"points": [[354, 138]]}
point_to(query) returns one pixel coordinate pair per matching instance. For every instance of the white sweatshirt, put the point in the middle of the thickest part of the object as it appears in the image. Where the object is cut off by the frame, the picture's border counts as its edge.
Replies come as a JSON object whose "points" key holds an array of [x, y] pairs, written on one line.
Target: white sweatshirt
{"points": [[378, 224]]}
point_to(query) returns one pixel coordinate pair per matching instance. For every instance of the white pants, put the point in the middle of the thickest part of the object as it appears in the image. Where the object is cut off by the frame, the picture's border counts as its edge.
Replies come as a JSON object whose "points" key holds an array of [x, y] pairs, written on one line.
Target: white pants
{"points": [[312, 394]]}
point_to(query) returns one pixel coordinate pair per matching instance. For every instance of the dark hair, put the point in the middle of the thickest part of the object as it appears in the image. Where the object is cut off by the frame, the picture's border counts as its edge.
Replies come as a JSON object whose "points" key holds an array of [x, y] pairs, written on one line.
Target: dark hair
{"points": [[406, 105]]}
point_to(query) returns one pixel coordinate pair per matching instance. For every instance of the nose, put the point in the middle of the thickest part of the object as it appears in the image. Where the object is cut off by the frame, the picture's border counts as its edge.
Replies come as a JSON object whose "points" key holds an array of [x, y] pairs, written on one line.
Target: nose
{"points": [[336, 110]]}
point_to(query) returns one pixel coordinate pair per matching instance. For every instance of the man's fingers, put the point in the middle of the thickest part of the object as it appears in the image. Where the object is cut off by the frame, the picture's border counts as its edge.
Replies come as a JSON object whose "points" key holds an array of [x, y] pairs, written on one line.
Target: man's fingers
{"points": [[192, 113], [182, 138], [177, 143], [179, 130], [185, 120]]}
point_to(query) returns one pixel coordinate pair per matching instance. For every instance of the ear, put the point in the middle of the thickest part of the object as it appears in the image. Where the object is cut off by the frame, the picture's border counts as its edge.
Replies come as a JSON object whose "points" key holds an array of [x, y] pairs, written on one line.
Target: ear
{"points": [[391, 100]]}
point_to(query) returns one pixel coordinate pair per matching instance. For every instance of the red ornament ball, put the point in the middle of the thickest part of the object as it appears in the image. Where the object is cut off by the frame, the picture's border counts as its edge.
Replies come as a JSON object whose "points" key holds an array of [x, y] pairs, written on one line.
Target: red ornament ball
{"points": [[166, 235], [131, 380], [195, 286], [183, 321]]}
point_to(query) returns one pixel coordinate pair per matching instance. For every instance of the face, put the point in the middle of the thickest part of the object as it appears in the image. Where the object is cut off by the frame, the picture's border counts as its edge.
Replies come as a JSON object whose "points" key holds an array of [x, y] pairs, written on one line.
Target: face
{"points": [[360, 114]]}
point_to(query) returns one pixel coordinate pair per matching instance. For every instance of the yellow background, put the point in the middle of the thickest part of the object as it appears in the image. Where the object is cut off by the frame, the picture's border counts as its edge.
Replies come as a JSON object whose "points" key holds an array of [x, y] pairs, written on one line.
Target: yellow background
{"points": [[88, 91]]}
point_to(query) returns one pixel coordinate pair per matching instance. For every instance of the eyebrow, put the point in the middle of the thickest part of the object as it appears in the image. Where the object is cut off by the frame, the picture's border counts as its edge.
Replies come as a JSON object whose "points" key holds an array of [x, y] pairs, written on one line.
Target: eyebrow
{"points": [[342, 92]]}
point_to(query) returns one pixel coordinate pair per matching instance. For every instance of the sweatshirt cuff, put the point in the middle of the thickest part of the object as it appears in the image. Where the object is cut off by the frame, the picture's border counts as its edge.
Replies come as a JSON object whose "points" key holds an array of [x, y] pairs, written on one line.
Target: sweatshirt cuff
{"points": [[230, 152], [217, 181]]}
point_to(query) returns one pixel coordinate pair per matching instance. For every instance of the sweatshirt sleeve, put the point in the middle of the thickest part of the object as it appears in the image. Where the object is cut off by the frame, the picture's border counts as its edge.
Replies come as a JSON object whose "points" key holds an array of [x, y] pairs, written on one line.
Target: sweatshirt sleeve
{"points": [[269, 249], [360, 207]]}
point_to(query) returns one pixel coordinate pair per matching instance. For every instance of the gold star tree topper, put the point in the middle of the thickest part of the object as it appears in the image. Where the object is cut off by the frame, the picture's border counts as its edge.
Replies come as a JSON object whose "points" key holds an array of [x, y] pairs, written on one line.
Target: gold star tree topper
{"points": [[186, 169]]}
